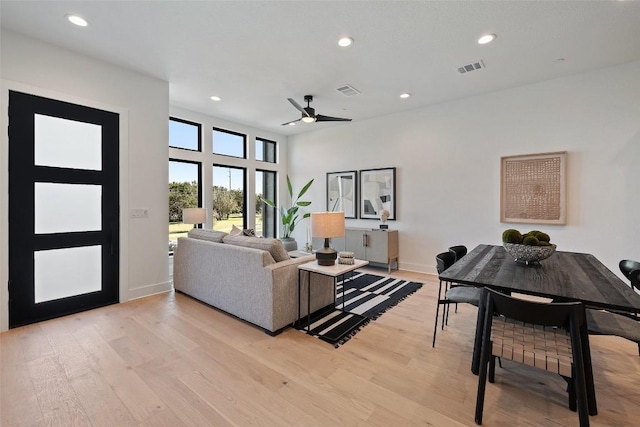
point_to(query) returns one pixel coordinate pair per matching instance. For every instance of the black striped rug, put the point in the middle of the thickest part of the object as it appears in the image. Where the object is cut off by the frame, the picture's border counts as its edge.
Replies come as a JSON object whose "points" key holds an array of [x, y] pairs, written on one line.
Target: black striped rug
{"points": [[366, 297]]}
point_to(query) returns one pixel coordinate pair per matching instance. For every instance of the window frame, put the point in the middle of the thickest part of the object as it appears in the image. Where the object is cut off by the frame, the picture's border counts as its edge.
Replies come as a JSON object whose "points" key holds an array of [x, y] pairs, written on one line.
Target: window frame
{"points": [[244, 142], [199, 181], [265, 142], [198, 125], [244, 189], [276, 218]]}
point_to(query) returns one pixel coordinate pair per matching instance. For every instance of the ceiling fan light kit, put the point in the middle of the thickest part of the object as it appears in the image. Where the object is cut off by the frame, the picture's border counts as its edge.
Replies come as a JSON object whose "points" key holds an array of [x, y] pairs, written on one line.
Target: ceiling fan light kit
{"points": [[309, 114]]}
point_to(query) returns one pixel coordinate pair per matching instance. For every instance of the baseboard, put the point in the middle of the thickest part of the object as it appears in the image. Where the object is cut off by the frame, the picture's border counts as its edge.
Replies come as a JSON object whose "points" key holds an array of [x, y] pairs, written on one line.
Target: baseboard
{"points": [[149, 290], [418, 268]]}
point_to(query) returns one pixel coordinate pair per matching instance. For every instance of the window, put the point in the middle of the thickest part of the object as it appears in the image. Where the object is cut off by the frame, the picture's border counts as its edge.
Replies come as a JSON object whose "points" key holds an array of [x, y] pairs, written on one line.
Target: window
{"points": [[228, 198], [184, 192], [266, 221], [265, 150], [216, 169], [229, 143], [184, 134]]}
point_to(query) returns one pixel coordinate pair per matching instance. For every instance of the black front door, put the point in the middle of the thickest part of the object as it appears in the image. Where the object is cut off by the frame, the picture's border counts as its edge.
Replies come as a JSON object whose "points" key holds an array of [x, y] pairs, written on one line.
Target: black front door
{"points": [[63, 208]]}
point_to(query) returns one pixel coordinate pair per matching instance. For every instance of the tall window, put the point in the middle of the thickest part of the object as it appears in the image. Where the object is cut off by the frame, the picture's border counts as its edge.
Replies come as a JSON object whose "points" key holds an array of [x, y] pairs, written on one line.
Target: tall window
{"points": [[229, 198], [265, 150], [229, 143], [266, 217], [184, 192], [216, 169]]}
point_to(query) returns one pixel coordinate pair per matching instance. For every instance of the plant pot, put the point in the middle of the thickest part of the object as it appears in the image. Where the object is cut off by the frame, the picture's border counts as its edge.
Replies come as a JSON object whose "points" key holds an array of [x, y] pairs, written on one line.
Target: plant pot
{"points": [[289, 244]]}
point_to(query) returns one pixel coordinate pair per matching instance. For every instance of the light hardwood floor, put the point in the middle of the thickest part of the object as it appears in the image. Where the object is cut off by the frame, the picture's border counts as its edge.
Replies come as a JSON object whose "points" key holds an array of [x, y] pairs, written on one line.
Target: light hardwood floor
{"points": [[168, 360]]}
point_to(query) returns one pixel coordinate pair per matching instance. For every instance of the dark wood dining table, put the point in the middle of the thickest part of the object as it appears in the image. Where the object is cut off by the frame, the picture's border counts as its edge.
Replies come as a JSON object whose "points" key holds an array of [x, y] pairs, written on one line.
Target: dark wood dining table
{"points": [[563, 277]]}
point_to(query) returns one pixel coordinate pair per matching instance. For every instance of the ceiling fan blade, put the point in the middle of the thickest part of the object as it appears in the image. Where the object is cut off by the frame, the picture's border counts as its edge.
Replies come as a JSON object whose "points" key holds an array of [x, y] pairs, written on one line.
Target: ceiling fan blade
{"points": [[321, 118], [298, 107], [292, 121]]}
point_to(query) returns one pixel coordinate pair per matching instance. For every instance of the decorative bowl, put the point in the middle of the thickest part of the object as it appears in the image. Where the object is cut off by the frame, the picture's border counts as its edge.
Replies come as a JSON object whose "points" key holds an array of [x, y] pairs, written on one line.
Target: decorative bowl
{"points": [[527, 253]]}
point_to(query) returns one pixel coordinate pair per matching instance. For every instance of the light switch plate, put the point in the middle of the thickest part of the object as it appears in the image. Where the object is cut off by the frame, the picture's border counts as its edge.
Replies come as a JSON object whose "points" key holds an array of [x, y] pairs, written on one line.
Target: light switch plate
{"points": [[139, 213]]}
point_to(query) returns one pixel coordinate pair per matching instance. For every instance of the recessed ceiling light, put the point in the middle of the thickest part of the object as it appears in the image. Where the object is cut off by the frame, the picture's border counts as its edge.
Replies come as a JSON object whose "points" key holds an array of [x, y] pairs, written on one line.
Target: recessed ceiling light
{"points": [[77, 20], [486, 38], [292, 124], [216, 98], [405, 95], [345, 41]]}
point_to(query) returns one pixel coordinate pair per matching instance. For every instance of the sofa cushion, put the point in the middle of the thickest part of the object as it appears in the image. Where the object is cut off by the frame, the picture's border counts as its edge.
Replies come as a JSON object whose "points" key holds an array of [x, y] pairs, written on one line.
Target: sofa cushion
{"points": [[273, 246], [210, 235]]}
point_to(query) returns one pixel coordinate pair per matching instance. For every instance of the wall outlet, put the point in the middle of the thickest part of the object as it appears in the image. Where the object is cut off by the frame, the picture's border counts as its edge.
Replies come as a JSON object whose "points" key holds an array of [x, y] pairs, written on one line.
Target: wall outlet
{"points": [[139, 213]]}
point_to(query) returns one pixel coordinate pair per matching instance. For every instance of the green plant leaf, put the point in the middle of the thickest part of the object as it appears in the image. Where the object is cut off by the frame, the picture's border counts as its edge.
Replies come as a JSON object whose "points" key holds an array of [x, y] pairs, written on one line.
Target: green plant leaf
{"points": [[269, 202], [289, 187], [304, 189], [289, 217]]}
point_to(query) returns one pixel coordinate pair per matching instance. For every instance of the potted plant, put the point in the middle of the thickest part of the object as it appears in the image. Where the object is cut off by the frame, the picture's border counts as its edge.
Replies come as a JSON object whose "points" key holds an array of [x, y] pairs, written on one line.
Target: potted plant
{"points": [[531, 247], [290, 217]]}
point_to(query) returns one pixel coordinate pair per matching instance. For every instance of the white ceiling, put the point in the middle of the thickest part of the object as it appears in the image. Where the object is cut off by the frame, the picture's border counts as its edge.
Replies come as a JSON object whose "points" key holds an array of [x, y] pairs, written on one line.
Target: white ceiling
{"points": [[256, 54]]}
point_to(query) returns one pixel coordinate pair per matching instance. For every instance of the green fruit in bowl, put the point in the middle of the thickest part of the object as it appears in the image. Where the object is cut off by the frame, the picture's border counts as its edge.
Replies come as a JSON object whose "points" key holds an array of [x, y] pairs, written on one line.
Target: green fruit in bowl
{"points": [[511, 236], [543, 237]]}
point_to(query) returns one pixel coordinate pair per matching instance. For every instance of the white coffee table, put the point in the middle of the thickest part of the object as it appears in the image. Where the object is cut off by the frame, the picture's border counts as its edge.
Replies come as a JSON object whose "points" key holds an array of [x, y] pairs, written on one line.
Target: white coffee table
{"points": [[334, 271]]}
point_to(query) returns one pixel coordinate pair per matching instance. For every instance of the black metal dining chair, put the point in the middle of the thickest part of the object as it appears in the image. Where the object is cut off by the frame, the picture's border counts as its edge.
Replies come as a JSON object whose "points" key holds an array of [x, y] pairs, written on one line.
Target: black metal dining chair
{"points": [[631, 270], [452, 295], [624, 325], [549, 336], [459, 251], [601, 322]]}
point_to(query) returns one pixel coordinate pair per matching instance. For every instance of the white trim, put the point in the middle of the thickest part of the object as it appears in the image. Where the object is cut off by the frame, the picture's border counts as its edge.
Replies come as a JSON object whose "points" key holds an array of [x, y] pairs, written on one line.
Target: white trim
{"points": [[148, 290]]}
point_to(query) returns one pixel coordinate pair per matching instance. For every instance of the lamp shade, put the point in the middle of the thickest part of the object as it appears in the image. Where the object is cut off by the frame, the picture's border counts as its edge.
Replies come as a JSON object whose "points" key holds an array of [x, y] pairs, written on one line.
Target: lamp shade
{"points": [[194, 216], [327, 224]]}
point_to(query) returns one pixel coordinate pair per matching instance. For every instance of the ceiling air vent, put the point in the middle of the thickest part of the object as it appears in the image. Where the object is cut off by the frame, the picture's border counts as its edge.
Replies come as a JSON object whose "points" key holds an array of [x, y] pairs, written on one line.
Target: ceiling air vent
{"points": [[348, 90], [471, 67]]}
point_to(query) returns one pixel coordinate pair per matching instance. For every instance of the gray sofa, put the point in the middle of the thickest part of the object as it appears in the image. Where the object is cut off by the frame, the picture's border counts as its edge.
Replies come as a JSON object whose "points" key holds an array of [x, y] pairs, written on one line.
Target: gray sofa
{"points": [[251, 278]]}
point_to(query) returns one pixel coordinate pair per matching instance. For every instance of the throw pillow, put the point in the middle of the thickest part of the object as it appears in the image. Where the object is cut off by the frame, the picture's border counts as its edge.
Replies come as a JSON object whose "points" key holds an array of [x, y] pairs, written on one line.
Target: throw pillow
{"points": [[235, 231], [210, 235], [271, 245], [249, 232]]}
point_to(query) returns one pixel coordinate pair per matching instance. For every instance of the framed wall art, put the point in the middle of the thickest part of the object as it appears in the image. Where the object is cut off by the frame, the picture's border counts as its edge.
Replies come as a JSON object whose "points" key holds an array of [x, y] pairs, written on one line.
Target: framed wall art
{"points": [[533, 188], [377, 192], [342, 193]]}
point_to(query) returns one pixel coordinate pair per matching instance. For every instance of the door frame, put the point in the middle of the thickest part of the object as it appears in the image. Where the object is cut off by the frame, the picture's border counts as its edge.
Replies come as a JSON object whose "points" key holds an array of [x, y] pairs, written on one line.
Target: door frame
{"points": [[123, 175]]}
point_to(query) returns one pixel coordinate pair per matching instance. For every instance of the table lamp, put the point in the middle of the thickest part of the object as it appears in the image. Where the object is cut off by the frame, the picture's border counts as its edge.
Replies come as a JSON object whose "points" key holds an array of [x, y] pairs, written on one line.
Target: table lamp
{"points": [[194, 216], [327, 225]]}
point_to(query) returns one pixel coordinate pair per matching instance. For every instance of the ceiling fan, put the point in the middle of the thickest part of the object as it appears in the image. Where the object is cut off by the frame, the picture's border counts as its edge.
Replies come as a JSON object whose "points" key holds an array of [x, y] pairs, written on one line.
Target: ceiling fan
{"points": [[309, 114]]}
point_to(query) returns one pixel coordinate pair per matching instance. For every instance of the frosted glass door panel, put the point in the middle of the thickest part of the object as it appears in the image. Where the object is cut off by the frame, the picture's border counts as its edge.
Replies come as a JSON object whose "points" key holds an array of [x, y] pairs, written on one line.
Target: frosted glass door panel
{"points": [[67, 144], [65, 208], [61, 273]]}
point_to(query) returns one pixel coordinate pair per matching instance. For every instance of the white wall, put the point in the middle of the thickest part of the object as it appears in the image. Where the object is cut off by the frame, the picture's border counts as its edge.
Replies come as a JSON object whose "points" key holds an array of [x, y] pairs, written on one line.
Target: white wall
{"points": [[143, 103], [448, 164]]}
